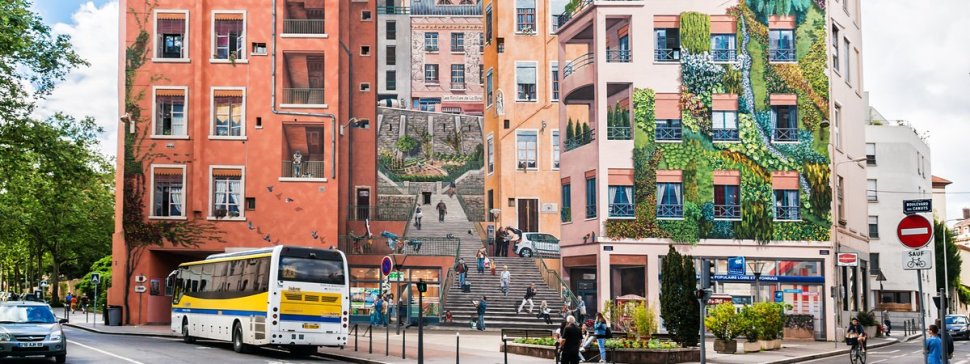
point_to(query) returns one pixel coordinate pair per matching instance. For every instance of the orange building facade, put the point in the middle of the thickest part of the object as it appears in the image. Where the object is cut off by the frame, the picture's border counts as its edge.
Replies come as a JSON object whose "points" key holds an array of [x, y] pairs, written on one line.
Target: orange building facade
{"points": [[247, 124]]}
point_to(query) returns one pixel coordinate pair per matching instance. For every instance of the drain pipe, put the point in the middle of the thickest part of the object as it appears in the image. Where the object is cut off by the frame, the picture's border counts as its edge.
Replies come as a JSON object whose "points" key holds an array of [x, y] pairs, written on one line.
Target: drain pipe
{"points": [[332, 117]]}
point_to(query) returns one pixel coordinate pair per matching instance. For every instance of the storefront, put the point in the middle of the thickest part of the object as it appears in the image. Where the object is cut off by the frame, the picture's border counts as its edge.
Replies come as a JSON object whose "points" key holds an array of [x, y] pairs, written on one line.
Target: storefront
{"points": [[366, 283]]}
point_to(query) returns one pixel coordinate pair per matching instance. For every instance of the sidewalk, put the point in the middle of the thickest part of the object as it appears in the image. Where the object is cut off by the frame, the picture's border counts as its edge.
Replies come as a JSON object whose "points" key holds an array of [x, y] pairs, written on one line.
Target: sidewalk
{"points": [[439, 348], [796, 351], [94, 322]]}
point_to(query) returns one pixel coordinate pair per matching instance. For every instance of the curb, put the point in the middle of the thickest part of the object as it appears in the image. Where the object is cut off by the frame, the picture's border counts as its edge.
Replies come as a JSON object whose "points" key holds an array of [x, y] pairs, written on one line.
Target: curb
{"points": [[347, 358], [90, 329], [839, 351]]}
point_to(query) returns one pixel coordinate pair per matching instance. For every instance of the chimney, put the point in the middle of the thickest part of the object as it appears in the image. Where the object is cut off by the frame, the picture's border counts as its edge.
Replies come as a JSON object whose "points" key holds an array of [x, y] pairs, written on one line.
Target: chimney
{"points": [[966, 213]]}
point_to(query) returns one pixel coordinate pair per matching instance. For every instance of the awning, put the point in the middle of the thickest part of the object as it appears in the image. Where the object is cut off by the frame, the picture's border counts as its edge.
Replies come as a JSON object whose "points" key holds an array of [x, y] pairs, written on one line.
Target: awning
{"points": [[170, 92], [226, 172], [227, 93], [168, 171], [170, 16], [229, 16]]}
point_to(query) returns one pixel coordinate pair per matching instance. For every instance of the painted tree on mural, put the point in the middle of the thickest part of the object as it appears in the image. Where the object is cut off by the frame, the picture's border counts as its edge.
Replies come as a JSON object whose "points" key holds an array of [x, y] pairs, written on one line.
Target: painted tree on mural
{"points": [[678, 303]]}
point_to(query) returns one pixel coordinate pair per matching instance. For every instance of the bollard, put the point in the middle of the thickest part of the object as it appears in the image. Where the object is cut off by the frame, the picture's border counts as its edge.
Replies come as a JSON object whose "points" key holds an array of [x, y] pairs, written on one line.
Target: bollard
{"points": [[370, 339], [505, 345], [457, 345], [356, 327], [387, 341], [404, 340]]}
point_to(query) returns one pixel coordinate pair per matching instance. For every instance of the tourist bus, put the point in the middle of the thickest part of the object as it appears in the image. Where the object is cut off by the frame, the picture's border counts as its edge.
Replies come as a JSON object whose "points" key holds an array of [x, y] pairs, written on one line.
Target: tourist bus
{"points": [[291, 297]]}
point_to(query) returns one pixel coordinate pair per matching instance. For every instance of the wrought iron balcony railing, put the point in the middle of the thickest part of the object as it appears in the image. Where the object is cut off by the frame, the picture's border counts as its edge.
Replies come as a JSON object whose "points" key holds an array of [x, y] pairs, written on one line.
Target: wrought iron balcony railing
{"points": [[785, 135], [393, 10], [725, 135], [619, 133], [786, 213], [304, 169], [579, 62], [580, 140], [781, 55], [619, 56], [668, 132], [666, 55], [727, 211], [724, 55], [670, 211], [621, 210], [303, 26], [303, 96], [590, 211]]}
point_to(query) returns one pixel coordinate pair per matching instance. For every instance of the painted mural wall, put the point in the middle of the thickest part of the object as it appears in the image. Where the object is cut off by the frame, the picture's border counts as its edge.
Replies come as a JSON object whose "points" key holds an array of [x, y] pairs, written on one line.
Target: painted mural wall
{"points": [[757, 156]]}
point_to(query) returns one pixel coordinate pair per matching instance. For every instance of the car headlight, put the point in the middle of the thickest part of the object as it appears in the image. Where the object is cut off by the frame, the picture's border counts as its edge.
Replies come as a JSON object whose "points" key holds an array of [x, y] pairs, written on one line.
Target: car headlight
{"points": [[5, 337], [55, 336]]}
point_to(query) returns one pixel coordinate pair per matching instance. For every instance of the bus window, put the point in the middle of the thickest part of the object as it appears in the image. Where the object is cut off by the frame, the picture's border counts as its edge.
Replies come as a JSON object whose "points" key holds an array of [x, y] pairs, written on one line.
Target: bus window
{"points": [[312, 270]]}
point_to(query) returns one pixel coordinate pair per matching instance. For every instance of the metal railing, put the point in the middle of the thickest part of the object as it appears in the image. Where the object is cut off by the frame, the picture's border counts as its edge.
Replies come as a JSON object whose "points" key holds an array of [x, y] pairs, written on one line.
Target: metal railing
{"points": [[785, 135], [393, 10], [724, 55], [552, 279], [458, 85], [722, 135], [727, 211], [428, 8], [618, 133], [445, 286], [430, 48], [303, 96], [619, 56], [621, 210], [590, 211], [407, 245], [575, 64], [566, 214], [567, 15], [303, 26], [380, 212], [781, 55], [668, 132], [304, 169], [580, 140], [786, 213], [666, 55], [670, 210]]}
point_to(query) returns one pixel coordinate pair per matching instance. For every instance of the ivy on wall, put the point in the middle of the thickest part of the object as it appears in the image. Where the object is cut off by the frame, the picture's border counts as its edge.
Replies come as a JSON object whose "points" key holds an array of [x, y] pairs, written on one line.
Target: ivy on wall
{"points": [[695, 32]]}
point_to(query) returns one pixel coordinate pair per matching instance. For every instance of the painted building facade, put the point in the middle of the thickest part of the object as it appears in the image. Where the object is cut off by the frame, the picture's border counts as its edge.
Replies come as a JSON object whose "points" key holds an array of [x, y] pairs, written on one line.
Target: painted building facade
{"points": [[725, 131], [394, 50], [237, 133]]}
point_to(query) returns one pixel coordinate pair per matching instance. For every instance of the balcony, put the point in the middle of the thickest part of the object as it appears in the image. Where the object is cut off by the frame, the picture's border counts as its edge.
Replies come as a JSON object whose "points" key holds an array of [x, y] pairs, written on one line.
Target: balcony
{"points": [[304, 169], [725, 135], [785, 135], [786, 213], [724, 55], [590, 211], [458, 86], [666, 55], [303, 96], [393, 10], [619, 56], [426, 7], [578, 63], [619, 133], [669, 133], [303, 26], [621, 210], [781, 55], [301, 18], [727, 211], [670, 211], [580, 140]]}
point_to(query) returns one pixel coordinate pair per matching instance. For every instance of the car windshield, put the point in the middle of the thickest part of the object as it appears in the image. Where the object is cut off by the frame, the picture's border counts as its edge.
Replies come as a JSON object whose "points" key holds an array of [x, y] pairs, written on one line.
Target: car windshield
{"points": [[956, 320], [24, 314]]}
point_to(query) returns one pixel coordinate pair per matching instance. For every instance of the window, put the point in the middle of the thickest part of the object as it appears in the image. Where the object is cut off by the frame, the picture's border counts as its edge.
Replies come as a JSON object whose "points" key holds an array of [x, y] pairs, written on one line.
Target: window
{"points": [[170, 113], [171, 31], [566, 213], [229, 35], [727, 201], [431, 73], [458, 42], [840, 200], [481, 74], [491, 154], [488, 88], [555, 81], [391, 31], [837, 126], [526, 147], [590, 198], [427, 104], [168, 196], [723, 47], [871, 192], [667, 45], [303, 151], [226, 192], [897, 297], [525, 79], [555, 149], [228, 113], [365, 50], [725, 126], [365, 15], [871, 154], [784, 120], [667, 129], [525, 16], [391, 55], [781, 45], [786, 205], [835, 47], [669, 202], [457, 77], [491, 206], [390, 79], [488, 23], [874, 228], [621, 201], [481, 43], [874, 259], [431, 41], [259, 49], [848, 64]]}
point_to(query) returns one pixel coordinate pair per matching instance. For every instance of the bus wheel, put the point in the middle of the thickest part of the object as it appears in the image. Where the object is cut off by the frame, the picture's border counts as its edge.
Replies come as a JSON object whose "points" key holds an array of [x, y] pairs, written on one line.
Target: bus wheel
{"points": [[237, 340], [185, 333], [303, 350]]}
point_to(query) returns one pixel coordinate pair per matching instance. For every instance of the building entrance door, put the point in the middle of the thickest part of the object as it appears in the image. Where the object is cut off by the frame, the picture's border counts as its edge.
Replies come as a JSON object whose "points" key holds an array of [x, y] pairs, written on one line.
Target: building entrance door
{"points": [[528, 215]]}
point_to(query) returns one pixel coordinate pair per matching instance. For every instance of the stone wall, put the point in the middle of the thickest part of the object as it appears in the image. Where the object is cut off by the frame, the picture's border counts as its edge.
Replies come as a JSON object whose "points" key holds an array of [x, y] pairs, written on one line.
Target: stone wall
{"points": [[416, 124]]}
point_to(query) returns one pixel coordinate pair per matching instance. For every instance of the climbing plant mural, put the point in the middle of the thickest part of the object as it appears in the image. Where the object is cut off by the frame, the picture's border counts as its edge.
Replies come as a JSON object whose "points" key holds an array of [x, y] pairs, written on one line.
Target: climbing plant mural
{"points": [[753, 79]]}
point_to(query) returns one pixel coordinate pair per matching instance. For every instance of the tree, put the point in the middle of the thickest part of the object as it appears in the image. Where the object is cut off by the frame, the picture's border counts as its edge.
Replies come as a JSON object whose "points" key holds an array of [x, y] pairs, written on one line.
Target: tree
{"points": [[586, 135], [678, 302], [570, 130], [29, 55], [103, 267], [953, 262]]}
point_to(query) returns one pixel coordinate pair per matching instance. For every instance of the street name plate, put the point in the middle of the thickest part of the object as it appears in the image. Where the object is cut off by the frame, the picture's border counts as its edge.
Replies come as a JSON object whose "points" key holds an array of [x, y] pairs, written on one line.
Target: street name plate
{"points": [[917, 206], [919, 259]]}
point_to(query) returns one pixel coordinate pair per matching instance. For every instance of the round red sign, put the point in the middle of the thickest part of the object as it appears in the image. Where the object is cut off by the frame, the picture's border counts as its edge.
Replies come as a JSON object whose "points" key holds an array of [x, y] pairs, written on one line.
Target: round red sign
{"points": [[914, 231]]}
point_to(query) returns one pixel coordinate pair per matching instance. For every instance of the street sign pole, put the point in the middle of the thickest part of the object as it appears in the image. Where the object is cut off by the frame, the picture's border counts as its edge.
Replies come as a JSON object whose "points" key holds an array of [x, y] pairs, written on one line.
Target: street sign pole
{"points": [[95, 305], [922, 317]]}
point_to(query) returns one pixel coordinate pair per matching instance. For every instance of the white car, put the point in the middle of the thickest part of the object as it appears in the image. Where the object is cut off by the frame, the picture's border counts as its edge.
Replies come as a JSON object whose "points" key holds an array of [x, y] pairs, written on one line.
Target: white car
{"points": [[537, 244]]}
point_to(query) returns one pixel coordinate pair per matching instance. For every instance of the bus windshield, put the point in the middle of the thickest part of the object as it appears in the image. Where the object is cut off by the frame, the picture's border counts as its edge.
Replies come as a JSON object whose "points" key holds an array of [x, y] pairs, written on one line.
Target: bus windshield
{"points": [[312, 270]]}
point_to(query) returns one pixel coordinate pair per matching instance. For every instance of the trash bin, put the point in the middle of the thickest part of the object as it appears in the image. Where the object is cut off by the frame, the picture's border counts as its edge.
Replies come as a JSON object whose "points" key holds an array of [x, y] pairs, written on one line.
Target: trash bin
{"points": [[114, 316]]}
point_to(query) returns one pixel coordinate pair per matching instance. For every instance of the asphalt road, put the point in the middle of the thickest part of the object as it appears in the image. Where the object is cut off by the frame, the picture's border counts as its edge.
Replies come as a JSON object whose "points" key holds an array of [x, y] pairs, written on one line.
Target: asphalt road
{"points": [[88, 347], [903, 353]]}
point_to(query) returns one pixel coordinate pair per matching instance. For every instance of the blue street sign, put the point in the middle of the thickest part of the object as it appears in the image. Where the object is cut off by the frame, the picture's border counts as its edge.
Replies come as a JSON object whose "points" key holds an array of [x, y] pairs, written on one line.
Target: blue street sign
{"points": [[782, 279], [779, 296], [736, 266], [789, 290], [386, 265]]}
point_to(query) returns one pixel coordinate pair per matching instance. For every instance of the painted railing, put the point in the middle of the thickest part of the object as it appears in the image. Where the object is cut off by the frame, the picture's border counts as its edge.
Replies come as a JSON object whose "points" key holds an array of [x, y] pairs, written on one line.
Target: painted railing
{"points": [[724, 55], [781, 55], [619, 56], [668, 132], [670, 210], [303, 96], [727, 211], [725, 135], [303, 26], [621, 210], [618, 133], [580, 140], [304, 169], [666, 55], [786, 213], [785, 135], [575, 64]]}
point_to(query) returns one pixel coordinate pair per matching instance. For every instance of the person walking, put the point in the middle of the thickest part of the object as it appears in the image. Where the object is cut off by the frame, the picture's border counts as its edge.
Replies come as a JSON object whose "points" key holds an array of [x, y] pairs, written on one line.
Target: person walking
{"points": [[570, 341], [67, 302], [600, 328], [84, 304], [417, 217], [544, 312], [480, 256], [947, 339], [462, 269], [373, 312], [442, 210], [480, 307], [401, 312], [889, 326], [379, 311], [934, 346], [506, 280], [503, 249], [389, 308], [581, 309], [529, 293], [499, 235]]}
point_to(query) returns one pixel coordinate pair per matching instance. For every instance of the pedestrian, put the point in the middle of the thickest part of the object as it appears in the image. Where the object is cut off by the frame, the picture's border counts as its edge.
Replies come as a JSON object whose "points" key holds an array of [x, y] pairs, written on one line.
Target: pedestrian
{"points": [[492, 265], [600, 329], [506, 280], [389, 303], [67, 301], [461, 268], [417, 217], [480, 307], [566, 310], [74, 301], [379, 310], [499, 235], [581, 309], [544, 312], [934, 346], [889, 326], [947, 339], [442, 210], [503, 250], [529, 293], [84, 304], [515, 237], [571, 338], [373, 312], [480, 255], [401, 312]]}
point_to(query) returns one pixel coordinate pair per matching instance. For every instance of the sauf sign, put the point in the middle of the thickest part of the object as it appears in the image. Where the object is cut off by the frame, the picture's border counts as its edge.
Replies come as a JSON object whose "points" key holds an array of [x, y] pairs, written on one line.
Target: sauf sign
{"points": [[919, 259]]}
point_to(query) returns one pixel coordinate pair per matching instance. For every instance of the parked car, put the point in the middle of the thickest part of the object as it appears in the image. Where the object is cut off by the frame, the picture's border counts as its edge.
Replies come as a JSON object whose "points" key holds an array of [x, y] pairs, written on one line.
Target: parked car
{"points": [[31, 329], [958, 326], [537, 244]]}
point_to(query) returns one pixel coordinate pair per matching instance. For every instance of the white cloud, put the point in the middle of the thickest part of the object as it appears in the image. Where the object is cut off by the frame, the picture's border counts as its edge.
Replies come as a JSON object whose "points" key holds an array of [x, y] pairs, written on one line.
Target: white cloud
{"points": [[93, 90], [917, 68]]}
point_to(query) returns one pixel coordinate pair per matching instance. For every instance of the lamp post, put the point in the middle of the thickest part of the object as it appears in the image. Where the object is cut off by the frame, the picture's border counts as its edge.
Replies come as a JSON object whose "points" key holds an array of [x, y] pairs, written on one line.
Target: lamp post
{"points": [[756, 268]]}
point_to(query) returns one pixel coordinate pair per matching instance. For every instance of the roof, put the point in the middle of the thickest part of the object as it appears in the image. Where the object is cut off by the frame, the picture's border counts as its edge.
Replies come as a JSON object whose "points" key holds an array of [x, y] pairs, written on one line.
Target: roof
{"points": [[940, 182]]}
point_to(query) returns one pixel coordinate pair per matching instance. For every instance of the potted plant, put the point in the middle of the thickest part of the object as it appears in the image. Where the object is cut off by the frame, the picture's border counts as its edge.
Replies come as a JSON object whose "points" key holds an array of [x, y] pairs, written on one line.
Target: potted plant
{"points": [[772, 316], [868, 321], [722, 321], [750, 326]]}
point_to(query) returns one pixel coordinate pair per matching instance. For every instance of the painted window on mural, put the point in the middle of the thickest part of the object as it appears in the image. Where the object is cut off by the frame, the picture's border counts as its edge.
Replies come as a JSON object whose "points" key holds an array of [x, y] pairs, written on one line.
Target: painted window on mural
{"points": [[590, 198], [566, 213], [555, 149], [786, 205], [457, 42], [171, 30], [621, 201], [781, 45], [724, 47], [491, 154], [668, 129], [229, 36], [555, 81], [170, 113], [725, 126], [525, 16], [667, 45], [431, 73], [669, 202], [431, 41], [727, 201], [168, 194], [525, 79], [228, 115], [526, 149], [226, 191], [784, 119]]}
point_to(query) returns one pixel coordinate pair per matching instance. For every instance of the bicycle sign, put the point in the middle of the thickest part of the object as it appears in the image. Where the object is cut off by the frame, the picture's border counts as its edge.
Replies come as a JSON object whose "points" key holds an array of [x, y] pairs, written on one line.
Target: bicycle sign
{"points": [[920, 259]]}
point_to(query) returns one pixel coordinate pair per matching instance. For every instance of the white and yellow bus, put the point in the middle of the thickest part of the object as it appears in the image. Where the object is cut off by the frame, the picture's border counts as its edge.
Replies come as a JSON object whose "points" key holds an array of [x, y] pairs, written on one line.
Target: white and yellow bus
{"points": [[291, 297]]}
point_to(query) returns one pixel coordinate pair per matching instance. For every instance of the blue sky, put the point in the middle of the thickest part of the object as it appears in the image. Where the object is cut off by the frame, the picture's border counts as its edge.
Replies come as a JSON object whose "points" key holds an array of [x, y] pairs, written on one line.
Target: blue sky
{"points": [[60, 11]]}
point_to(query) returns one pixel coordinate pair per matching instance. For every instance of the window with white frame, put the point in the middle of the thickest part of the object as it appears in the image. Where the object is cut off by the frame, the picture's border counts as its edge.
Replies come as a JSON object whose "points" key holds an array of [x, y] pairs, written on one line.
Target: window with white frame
{"points": [[457, 77], [229, 36], [871, 154], [525, 16], [525, 76], [227, 193], [431, 41], [168, 192], [848, 63], [555, 81], [555, 149], [871, 192], [170, 113], [724, 47], [725, 125], [621, 201], [837, 126], [786, 205], [489, 90], [835, 47], [171, 35], [491, 154], [457, 42], [227, 113], [526, 148], [431, 73]]}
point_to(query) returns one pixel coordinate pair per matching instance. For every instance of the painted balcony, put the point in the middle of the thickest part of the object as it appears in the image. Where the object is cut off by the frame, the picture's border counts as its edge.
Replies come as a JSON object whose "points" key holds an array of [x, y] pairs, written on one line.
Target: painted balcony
{"points": [[303, 169], [727, 212], [621, 210], [670, 211], [578, 77], [580, 14], [303, 20]]}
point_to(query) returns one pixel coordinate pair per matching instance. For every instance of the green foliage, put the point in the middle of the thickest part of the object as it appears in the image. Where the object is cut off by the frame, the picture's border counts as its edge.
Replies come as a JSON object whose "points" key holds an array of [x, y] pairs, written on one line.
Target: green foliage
{"points": [[695, 32], [570, 130], [732, 79], [867, 318], [644, 116], [772, 319], [644, 320], [963, 293], [722, 321], [684, 230], [766, 8], [749, 324], [653, 344], [541, 341], [406, 144], [678, 305], [103, 267], [954, 262], [586, 135]]}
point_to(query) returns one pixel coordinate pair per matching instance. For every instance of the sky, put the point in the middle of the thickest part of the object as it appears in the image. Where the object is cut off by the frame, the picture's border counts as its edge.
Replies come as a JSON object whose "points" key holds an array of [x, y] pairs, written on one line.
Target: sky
{"points": [[916, 60]]}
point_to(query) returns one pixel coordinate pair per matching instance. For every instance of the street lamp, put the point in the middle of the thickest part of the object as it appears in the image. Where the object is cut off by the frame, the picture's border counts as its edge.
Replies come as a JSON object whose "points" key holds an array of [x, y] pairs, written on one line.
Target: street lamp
{"points": [[756, 268]]}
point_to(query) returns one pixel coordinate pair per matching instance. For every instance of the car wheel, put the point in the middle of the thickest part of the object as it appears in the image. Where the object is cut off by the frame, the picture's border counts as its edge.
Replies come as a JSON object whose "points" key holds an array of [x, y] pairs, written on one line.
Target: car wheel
{"points": [[237, 340], [526, 253], [185, 333], [60, 359]]}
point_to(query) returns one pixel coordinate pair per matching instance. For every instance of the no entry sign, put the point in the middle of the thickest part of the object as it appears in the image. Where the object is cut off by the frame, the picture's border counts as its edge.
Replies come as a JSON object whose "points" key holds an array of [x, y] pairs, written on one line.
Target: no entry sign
{"points": [[914, 231]]}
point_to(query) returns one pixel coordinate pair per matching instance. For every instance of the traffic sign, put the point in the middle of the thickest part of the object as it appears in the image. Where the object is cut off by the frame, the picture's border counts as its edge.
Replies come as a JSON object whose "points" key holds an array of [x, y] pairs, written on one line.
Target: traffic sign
{"points": [[395, 276], [387, 264], [917, 206], [736, 265], [848, 260], [919, 259], [139, 289], [914, 231], [95, 278]]}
